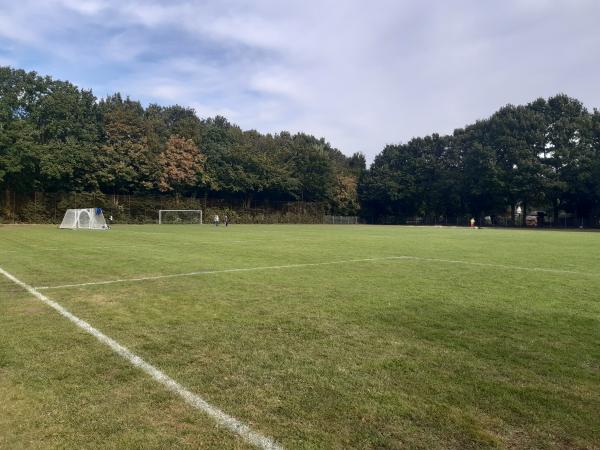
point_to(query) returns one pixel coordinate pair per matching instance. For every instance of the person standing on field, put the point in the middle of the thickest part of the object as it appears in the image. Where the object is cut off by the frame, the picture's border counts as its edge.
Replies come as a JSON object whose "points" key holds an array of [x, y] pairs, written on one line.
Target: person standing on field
{"points": [[472, 222], [226, 220], [216, 220]]}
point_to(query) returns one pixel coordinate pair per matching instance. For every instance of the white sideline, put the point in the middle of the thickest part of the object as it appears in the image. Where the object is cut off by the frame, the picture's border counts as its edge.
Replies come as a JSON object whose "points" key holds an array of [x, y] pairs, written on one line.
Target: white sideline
{"points": [[223, 419], [288, 266]]}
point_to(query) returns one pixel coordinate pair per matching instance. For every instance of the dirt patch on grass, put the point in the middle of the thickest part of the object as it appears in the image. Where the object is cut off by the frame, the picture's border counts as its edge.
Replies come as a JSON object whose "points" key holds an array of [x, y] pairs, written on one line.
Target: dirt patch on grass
{"points": [[98, 299], [33, 309]]}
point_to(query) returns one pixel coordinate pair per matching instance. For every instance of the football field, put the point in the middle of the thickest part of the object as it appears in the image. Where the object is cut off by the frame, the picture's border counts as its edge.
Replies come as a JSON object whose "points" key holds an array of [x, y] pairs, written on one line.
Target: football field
{"points": [[298, 336]]}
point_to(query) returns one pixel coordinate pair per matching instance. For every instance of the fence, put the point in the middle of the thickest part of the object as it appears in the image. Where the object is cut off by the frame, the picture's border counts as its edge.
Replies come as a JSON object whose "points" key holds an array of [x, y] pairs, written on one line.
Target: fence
{"points": [[50, 207], [565, 220], [139, 209]]}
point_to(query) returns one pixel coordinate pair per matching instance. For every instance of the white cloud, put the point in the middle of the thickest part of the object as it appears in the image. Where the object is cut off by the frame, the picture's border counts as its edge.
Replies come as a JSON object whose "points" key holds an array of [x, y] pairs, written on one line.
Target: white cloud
{"points": [[14, 31], [168, 91], [87, 7], [360, 74]]}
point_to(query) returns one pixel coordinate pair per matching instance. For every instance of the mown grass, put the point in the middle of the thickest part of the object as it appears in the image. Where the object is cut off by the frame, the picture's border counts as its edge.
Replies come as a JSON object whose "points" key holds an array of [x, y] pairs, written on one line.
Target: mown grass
{"points": [[375, 354], [60, 389]]}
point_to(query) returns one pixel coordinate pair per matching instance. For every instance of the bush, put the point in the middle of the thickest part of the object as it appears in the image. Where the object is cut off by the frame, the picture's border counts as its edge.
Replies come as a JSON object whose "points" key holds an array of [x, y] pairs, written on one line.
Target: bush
{"points": [[141, 209]]}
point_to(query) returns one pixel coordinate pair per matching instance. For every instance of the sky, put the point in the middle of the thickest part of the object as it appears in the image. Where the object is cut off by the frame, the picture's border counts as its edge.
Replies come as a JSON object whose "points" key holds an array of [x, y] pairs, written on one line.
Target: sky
{"points": [[361, 74]]}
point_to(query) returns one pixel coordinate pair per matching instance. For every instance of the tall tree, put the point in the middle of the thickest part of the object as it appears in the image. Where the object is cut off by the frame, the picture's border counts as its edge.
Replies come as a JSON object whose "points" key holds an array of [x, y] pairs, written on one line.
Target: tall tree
{"points": [[313, 167], [126, 162], [181, 165], [68, 122], [390, 187], [567, 154], [481, 175], [20, 93], [516, 134]]}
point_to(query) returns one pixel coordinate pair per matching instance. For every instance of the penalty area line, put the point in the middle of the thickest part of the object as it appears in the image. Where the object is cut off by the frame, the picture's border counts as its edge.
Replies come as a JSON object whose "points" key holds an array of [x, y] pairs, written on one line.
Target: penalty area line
{"points": [[223, 419], [326, 263]]}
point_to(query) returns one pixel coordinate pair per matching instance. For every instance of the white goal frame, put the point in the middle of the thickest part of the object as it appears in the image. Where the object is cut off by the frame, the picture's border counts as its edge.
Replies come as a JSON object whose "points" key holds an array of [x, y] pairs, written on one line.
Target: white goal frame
{"points": [[161, 211], [340, 220]]}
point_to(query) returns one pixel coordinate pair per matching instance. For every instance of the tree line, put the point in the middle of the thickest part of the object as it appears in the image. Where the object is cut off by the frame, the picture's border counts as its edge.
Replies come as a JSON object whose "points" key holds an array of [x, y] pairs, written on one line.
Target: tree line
{"points": [[55, 137], [545, 154]]}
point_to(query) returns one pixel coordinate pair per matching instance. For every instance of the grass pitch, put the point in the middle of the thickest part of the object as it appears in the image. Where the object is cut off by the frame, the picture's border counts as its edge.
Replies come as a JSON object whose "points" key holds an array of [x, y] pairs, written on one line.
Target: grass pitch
{"points": [[472, 339]]}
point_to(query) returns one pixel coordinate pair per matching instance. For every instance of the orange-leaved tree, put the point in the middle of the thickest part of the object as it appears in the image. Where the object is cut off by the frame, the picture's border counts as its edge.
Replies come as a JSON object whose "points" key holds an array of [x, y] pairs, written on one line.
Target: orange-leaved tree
{"points": [[181, 165]]}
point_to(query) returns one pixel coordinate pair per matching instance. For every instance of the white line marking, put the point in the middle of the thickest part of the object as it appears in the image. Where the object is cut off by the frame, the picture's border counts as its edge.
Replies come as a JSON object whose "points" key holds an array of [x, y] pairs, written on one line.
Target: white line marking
{"points": [[151, 244], [502, 266], [223, 419], [288, 266], [102, 247], [209, 272], [68, 249]]}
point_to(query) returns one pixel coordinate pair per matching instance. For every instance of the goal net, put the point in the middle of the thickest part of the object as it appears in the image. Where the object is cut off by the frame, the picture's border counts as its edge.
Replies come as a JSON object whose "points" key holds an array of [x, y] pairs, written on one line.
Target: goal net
{"points": [[86, 218], [340, 220], [179, 216]]}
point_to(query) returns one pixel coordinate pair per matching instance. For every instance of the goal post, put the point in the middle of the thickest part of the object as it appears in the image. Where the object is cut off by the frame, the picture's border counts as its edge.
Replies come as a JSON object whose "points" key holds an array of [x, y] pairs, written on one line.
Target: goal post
{"points": [[179, 216], [85, 219], [340, 220]]}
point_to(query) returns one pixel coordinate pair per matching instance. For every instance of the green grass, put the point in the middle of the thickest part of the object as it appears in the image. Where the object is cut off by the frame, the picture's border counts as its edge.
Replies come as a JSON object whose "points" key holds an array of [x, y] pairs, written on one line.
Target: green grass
{"points": [[407, 353]]}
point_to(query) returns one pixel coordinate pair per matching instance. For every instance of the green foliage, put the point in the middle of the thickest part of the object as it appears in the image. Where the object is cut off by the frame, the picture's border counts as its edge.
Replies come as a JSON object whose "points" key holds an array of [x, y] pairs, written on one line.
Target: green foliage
{"points": [[544, 153], [143, 209], [55, 137]]}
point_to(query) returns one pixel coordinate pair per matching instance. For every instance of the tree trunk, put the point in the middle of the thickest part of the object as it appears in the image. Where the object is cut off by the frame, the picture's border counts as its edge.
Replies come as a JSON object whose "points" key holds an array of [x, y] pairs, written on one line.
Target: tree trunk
{"points": [[7, 207], [248, 200]]}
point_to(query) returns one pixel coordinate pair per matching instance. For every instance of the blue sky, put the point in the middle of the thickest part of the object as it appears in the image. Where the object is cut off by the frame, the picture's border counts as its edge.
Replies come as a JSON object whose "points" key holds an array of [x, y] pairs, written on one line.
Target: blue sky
{"points": [[361, 74]]}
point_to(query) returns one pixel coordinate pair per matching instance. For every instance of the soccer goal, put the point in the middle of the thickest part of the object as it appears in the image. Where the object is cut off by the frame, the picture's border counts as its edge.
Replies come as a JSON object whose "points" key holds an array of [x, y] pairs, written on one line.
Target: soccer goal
{"points": [[180, 216], [340, 220], [86, 218]]}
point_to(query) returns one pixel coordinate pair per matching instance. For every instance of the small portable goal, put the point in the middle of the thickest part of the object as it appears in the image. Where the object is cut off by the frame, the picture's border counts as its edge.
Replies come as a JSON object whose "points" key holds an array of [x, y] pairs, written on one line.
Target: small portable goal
{"points": [[180, 216], [84, 219]]}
